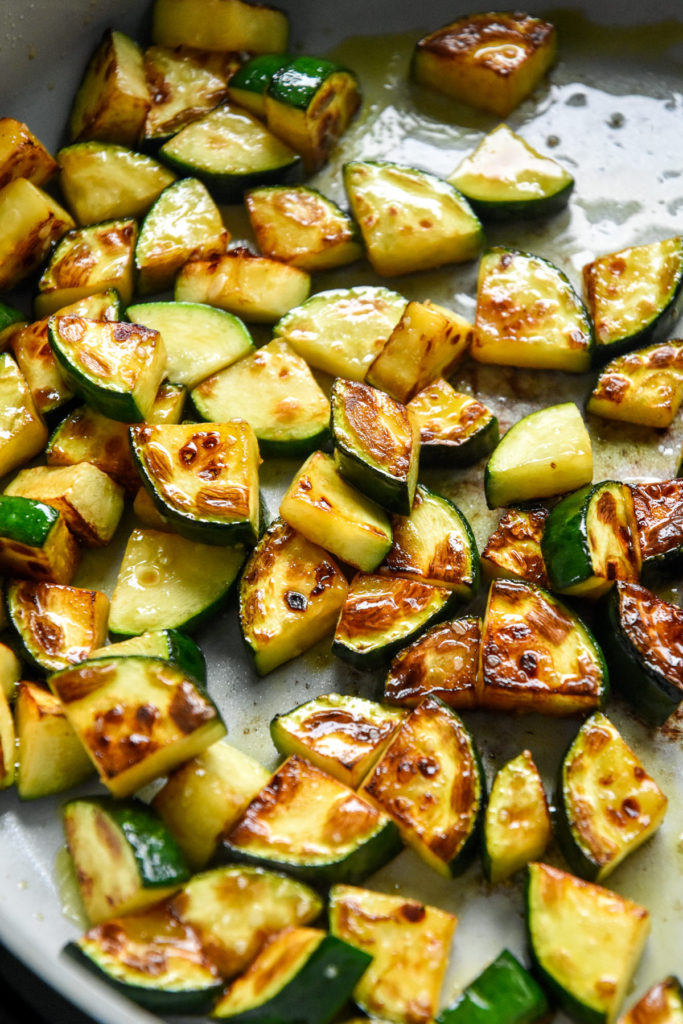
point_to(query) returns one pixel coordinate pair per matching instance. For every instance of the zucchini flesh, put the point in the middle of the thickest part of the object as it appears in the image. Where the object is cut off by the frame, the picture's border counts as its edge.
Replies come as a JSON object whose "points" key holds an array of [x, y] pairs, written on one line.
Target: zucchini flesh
{"points": [[517, 827], [183, 85], [32, 223], [504, 993], [514, 548], [442, 663], [35, 541], [22, 431], [51, 757], [88, 436], [22, 155], [30, 347], [641, 387], [662, 1002], [222, 25], [247, 87], [169, 644], [658, 507], [8, 745], [455, 429]]}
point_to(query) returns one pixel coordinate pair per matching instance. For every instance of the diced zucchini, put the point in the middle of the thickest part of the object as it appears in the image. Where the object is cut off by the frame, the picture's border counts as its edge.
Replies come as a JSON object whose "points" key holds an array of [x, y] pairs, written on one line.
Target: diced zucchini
{"points": [[658, 506], [455, 429], [22, 432], [8, 744], [183, 84], [50, 754], [112, 100], [35, 542], [11, 321], [443, 663], [537, 655], [410, 220], [504, 993], [22, 155], [10, 666], [31, 349], [517, 826], [86, 436], [661, 1004], [641, 387], [169, 403], [220, 25], [513, 551], [31, 223], [148, 514], [169, 644], [247, 87]]}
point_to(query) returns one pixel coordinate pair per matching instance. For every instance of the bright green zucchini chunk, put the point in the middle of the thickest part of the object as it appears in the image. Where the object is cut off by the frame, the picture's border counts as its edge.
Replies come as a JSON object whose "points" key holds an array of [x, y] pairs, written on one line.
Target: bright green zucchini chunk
{"points": [[342, 735], [153, 959], [124, 857], [302, 973], [231, 151], [537, 655], [22, 431], [247, 87], [634, 296], [504, 993], [431, 783], [309, 103], [32, 222], [528, 314], [607, 804], [505, 178], [332, 513], [103, 181], [22, 155], [156, 717], [442, 663], [291, 593], [590, 539], [517, 826], [661, 1004], [113, 99], [35, 542], [56, 625], [585, 942], [86, 436], [274, 390], [223, 25], [51, 757], [513, 551], [169, 644], [116, 367], [299, 225], [404, 980], [204, 479], [455, 429], [641, 387], [167, 582], [377, 444], [183, 224], [312, 826], [183, 84], [658, 506], [545, 453], [341, 331], [381, 614], [410, 220]]}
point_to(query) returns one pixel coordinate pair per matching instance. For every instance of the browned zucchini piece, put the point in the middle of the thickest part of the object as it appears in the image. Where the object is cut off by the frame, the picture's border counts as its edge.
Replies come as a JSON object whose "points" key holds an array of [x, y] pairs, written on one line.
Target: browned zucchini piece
{"points": [[517, 827], [32, 222], [22, 431], [183, 84], [8, 744], [51, 756], [514, 548], [661, 1004], [643, 387], [88, 436], [455, 429], [35, 542], [658, 506], [222, 25], [113, 99], [22, 155], [443, 663]]}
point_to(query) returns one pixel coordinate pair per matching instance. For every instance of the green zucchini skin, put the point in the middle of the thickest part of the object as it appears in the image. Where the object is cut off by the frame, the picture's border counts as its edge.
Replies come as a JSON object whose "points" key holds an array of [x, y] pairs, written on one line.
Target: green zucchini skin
{"points": [[504, 993], [248, 86], [564, 543], [26, 521], [170, 644]]}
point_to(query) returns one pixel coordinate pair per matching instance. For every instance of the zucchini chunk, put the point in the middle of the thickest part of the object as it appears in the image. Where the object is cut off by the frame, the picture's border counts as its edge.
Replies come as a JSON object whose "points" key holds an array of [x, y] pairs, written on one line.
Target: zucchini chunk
{"points": [[634, 296], [51, 757], [641, 387], [167, 582], [431, 783], [455, 429], [183, 224], [247, 87], [22, 155], [204, 797], [8, 744], [48, 388], [31, 223], [147, 514], [658, 506], [169, 644], [11, 321], [342, 735], [410, 220], [86, 436], [300, 226], [10, 666], [169, 403], [585, 942], [341, 331], [381, 614], [35, 542], [116, 367], [124, 857], [301, 973], [443, 663], [220, 25], [505, 178], [409, 943], [274, 390], [536, 655], [661, 1004], [528, 314], [137, 717], [590, 539], [513, 551], [607, 804], [377, 444], [22, 431], [291, 593], [545, 453], [312, 826], [490, 61], [504, 993], [517, 826], [183, 84], [113, 99], [204, 479], [56, 625]]}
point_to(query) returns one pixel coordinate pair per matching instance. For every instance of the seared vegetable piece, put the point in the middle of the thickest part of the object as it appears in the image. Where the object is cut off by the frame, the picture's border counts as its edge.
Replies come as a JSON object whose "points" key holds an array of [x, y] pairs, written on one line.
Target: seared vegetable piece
{"points": [[125, 858], [51, 756], [22, 432], [455, 429], [35, 542], [377, 444], [31, 223], [443, 663], [430, 781], [634, 295], [220, 25], [86, 436], [490, 61], [31, 349], [338, 733], [10, 666], [57, 625], [22, 155], [528, 314], [536, 655], [517, 826], [247, 87], [299, 225], [169, 644], [514, 548], [607, 803], [167, 582], [410, 944], [205, 796], [590, 539], [505, 178], [183, 84], [545, 453], [291, 594], [585, 942], [11, 321], [302, 973], [341, 331], [113, 99], [504, 993], [661, 1004], [658, 506], [641, 387], [137, 717], [8, 748], [410, 220]]}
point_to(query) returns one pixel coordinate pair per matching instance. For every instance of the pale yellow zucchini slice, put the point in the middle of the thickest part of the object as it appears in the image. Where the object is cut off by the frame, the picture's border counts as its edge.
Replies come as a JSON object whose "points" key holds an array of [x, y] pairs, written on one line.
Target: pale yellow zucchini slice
{"points": [[643, 387], [51, 757], [31, 223], [113, 99], [517, 825], [220, 25], [22, 155], [8, 744], [86, 436], [22, 431]]}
